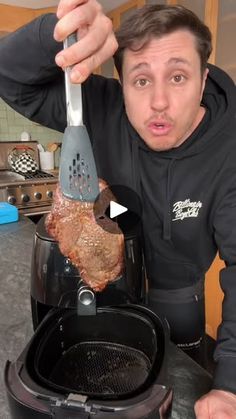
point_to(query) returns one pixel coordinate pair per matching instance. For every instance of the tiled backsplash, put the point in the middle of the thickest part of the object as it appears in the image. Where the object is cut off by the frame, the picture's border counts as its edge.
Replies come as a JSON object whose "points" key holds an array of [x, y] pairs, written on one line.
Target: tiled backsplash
{"points": [[12, 124]]}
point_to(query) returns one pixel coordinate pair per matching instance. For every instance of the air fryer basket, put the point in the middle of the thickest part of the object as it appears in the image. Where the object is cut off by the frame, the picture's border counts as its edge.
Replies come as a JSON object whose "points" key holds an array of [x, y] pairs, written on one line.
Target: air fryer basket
{"points": [[103, 368], [112, 355]]}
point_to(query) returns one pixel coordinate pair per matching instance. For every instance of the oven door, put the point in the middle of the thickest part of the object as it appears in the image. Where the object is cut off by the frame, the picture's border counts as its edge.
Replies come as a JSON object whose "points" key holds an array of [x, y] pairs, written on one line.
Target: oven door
{"points": [[35, 213]]}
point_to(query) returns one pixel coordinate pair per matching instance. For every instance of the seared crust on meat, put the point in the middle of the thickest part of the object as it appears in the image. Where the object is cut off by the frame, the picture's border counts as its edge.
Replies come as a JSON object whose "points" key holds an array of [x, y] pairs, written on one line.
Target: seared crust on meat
{"points": [[97, 253]]}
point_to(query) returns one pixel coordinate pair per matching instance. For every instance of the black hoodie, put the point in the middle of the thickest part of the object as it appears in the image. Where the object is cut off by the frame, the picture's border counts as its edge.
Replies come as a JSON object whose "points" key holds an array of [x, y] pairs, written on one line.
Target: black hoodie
{"points": [[188, 193]]}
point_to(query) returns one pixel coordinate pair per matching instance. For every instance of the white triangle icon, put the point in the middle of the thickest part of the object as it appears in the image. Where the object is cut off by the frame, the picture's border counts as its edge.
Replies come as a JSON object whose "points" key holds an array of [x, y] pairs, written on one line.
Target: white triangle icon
{"points": [[116, 209]]}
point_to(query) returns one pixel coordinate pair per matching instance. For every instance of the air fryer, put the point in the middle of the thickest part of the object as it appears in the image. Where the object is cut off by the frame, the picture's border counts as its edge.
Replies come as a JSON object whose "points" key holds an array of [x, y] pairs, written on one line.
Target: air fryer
{"points": [[111, 365], [106, 363], [56, 282]]}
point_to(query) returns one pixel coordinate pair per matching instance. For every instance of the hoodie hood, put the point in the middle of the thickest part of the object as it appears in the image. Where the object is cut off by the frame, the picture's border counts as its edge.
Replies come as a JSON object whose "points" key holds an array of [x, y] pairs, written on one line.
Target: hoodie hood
{"points": [[220, 104]]}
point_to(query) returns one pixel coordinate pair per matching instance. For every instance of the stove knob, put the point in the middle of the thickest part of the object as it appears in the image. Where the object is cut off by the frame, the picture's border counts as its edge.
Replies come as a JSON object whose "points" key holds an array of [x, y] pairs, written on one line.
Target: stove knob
{"points": [[25, 198], [38, 195], [11, 199], [49, 194]]}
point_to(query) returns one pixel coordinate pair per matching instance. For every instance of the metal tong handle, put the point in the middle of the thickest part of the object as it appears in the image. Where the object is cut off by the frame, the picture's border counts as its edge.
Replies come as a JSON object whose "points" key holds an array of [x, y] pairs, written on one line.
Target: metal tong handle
{"points": [[74, 106]]}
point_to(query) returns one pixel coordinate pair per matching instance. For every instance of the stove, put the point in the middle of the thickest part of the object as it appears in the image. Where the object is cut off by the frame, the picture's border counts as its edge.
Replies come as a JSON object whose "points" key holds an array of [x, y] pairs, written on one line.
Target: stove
{"points": [[31, 193]]}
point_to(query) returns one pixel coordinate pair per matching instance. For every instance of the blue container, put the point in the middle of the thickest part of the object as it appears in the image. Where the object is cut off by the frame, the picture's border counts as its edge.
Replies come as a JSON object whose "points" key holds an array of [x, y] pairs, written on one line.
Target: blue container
{"points": [[8, 213]]}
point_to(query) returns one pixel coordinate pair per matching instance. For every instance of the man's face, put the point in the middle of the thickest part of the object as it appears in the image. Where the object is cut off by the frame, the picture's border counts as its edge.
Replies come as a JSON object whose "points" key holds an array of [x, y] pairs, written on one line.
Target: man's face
{"points": [[163, 86]]}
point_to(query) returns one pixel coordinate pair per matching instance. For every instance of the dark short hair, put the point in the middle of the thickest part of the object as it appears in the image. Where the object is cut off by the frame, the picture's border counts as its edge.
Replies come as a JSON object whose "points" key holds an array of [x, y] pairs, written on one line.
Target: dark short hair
{"points": [[154, 21]]}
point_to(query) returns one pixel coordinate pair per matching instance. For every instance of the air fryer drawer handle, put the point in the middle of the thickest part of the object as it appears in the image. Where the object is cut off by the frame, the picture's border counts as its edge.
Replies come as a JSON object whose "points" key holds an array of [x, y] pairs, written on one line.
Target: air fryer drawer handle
{"points": [[61, 412], [86, 301]]}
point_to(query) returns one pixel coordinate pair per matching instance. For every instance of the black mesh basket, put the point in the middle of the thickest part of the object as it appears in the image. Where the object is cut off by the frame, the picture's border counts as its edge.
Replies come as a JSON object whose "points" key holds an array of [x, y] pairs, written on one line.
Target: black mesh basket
{"points": [[114, 355]]}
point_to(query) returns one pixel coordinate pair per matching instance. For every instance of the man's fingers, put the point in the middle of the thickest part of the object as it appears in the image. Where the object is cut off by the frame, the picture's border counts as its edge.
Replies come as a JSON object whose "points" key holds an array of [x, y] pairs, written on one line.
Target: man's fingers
{"points": [[94, 42], [81, 71], [73, 20], [201, 409], [66, 6]]}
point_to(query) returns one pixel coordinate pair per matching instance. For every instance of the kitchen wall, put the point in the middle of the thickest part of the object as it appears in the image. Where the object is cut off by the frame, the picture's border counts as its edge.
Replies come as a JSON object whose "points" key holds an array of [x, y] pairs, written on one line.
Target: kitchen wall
{"points": [[12, 124]]}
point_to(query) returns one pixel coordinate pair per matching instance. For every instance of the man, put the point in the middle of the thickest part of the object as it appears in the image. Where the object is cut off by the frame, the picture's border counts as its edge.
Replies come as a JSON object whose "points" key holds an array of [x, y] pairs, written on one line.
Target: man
{"points": [[168, 132]]}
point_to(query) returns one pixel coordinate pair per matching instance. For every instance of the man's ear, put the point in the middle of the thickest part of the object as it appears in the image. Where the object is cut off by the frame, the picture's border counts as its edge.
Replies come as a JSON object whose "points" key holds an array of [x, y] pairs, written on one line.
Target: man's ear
{"points": [[204, 79], [205, 74]]}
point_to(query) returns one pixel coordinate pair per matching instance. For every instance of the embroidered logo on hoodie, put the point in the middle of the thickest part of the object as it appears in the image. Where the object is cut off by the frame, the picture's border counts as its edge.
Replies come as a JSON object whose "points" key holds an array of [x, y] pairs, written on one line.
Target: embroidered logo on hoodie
{"points": [[186, 209]]}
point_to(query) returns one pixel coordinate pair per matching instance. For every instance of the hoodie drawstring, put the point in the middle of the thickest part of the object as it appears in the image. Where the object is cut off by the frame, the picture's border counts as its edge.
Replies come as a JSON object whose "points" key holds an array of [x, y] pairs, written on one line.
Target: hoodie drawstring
{"points": [[167, 209], [137, 185], [135, 168]]}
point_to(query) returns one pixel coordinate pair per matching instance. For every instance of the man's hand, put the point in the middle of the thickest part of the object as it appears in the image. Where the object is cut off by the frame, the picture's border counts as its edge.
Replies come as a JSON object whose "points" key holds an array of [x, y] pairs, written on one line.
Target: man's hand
{"points": [[217, 404], [96, 43]]}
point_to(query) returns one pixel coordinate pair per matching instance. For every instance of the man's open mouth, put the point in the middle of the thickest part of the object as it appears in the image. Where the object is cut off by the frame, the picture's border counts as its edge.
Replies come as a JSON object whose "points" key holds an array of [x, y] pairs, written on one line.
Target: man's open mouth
{"points": [[159, 128]]}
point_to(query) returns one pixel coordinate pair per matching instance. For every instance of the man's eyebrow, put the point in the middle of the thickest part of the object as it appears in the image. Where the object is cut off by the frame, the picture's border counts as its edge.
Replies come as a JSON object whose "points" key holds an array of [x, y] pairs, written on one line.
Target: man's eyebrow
{"points": [[178, 60], [171, 61], [139, 66]]}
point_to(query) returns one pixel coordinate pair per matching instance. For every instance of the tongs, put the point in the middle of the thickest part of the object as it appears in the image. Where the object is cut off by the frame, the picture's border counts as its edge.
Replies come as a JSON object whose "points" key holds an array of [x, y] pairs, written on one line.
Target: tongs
{"points": [[77, 174]]}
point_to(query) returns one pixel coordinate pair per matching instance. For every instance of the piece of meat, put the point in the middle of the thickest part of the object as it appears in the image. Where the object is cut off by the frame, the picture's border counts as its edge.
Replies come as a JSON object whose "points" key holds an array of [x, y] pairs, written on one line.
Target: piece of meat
{"points": [[95, 251]]}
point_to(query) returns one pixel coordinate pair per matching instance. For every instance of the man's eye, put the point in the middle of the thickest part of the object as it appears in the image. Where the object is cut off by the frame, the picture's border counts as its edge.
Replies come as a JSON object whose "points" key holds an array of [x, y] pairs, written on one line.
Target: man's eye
{"points": [[178, 78], [141, 82]]}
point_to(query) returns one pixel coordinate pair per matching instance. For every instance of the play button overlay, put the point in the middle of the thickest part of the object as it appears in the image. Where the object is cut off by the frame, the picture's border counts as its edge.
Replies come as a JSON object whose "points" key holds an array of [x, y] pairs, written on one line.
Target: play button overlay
{"points": [[118, 208]]}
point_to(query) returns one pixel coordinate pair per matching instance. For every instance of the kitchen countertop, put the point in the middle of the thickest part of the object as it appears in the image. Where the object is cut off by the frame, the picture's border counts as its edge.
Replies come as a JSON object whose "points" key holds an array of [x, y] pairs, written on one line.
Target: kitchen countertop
{"points": [[188, 380]]}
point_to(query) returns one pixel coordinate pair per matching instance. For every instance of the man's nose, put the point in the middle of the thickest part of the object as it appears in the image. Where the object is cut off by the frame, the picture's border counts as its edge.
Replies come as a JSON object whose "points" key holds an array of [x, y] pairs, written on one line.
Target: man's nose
{"points": [[159, 98]]}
